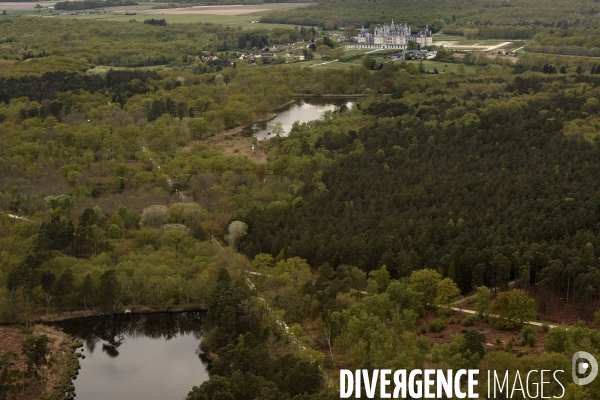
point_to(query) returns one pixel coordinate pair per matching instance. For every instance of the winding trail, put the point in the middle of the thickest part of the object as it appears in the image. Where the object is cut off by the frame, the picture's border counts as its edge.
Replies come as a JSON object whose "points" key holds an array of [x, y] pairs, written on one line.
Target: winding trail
{"points": [[169, 180], [325, 63]]}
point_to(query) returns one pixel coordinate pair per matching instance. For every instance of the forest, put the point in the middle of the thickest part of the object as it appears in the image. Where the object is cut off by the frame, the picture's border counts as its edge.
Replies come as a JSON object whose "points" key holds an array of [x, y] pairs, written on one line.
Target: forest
{"points": [[359, 232], [87, 4]]}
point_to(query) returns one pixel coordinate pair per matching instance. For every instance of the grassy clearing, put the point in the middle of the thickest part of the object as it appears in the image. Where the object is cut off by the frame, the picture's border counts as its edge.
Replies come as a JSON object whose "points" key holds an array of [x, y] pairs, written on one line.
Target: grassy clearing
{"points": [[20, 13]]}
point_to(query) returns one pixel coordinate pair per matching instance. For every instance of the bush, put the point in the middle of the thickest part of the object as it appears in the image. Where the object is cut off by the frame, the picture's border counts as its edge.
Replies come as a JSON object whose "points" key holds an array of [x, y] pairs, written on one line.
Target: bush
{"points": [[470, 320], [510, 345], [437, 325], [528, 336], [545, 327]]}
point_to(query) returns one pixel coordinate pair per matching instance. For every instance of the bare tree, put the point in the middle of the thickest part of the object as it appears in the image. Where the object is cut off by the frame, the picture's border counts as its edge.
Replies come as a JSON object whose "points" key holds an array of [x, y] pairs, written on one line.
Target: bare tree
{"points": [[237, 231], [154, 216]]}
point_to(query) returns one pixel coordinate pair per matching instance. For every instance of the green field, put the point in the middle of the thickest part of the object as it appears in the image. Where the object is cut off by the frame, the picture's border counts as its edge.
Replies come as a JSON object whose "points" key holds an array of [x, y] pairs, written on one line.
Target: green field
{"points": [[20, 13]]}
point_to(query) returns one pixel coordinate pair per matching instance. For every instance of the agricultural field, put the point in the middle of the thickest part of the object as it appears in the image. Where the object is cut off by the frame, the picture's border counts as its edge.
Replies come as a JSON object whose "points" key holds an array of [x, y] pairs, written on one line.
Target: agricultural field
{"points": [[245, 16]]}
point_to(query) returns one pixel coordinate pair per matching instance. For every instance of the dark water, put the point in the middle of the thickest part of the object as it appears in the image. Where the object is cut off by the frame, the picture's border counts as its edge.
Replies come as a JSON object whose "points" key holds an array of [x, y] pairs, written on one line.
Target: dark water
{"points": [[149, 357], [303, 110]]}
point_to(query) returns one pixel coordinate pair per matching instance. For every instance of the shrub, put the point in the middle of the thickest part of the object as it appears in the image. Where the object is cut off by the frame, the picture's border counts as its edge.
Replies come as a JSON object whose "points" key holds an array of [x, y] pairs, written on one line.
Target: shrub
{"points": [[545, 327], [470, 320], [437, 325], [528, 336], [510, 345]]}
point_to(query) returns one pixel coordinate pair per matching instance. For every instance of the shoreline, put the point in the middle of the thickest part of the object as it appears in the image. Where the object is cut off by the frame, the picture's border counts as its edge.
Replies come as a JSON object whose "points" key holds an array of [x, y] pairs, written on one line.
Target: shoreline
{"points": [[138, 309], [272, 115]]}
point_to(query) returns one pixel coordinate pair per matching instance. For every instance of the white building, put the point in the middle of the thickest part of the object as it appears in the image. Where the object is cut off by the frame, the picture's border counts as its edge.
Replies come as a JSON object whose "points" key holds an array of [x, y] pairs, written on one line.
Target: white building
{"points": [[390, 37]]}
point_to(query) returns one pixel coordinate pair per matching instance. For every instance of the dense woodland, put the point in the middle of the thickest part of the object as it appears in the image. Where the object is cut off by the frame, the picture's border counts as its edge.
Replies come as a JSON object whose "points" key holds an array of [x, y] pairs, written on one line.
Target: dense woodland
{"points": [[359, 228], [87, 4]]}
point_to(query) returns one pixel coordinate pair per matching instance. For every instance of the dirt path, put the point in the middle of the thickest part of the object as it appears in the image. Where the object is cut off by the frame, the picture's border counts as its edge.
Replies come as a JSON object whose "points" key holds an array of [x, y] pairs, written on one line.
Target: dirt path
{"points": [[169, 181], [17, 217]]}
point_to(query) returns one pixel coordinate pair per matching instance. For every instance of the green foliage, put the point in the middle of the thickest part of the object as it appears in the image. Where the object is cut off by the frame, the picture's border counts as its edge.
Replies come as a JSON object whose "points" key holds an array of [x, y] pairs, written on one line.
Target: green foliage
{"points": [[35, 351], [425, 281], [563, 339], [484, 297], [528, 336], [470, 320], [380, 279], [474, 341], [87, 4], [401, 187], [62, 202], [455, 354], [107, 290], [511, 309], [8, 375], [446, 293], [437, 325]]}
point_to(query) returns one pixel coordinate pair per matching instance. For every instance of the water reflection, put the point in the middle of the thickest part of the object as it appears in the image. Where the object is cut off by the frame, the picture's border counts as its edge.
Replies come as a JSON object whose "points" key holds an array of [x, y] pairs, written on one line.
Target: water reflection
{"points": [[303, 110], [113, 329], [149, 356]]}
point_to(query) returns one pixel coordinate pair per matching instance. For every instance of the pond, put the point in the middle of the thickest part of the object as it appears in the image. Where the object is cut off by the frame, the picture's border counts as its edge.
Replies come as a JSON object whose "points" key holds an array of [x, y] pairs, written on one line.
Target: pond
{"points": [[303, 110], [145, 357]]}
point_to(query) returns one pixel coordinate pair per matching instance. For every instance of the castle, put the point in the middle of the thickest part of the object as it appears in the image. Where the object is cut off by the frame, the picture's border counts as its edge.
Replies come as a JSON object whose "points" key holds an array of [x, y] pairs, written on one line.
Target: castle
{"points": [[390, 37]]}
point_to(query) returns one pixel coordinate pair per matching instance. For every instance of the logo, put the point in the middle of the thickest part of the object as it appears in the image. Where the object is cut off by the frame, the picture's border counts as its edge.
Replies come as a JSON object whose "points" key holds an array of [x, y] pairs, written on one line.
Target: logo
{"points": [[582, 363]]}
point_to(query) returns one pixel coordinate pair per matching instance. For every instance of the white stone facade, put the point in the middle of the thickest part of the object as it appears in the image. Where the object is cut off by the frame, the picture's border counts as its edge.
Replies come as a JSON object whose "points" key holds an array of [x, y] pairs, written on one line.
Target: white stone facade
{"points": [[391, 37]]}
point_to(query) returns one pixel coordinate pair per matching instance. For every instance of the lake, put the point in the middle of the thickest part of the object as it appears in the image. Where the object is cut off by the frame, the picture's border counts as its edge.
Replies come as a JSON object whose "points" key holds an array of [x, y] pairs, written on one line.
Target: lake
{"points": [[303, 110], [146, 357]]}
